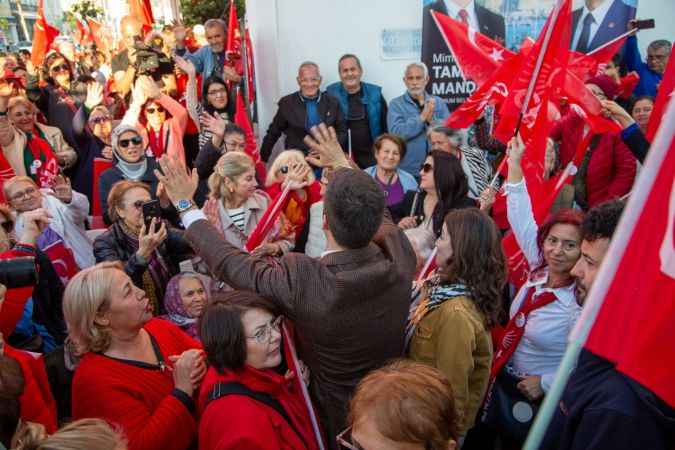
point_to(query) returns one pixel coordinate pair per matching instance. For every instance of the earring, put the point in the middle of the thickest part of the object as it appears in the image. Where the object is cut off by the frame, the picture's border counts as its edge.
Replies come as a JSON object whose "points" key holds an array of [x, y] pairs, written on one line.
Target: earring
{"points": [[231, 191]]}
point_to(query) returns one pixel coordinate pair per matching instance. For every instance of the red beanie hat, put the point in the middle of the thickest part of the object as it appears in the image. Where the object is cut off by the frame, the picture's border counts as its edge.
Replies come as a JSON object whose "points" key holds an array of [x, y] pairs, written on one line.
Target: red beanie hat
{"points": [[607, 84]]}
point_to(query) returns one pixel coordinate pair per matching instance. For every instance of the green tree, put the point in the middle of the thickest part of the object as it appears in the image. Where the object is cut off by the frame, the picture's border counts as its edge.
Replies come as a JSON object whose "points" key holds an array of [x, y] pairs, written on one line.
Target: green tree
{"points": [[81, 11], [199, 11]]}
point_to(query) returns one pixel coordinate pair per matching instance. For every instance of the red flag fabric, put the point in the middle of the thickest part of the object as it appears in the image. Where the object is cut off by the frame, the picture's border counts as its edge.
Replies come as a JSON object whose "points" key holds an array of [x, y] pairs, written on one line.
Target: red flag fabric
{"points": [[477, 55], [268, 220], [142, 10], [100, 166], [242, 120], [250, 69], [591, 64], [62, 259], [43, 36], [542, 72], [233, 47], [633, 327], [100, 35], [665, 93]]}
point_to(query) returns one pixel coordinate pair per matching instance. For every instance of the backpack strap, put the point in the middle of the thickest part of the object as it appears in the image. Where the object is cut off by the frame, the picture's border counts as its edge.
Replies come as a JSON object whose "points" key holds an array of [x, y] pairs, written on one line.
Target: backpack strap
{"points": [[233, 388]]}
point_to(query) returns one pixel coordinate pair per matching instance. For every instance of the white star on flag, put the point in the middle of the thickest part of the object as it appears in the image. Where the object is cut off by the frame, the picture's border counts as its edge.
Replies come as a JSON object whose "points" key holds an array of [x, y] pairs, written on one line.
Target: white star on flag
{"points": [[497, 55]]}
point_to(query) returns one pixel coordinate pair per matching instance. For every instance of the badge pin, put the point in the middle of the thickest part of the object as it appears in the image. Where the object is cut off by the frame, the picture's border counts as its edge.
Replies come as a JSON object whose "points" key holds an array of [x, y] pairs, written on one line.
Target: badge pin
{"points": [[520, 320], [611, 25]]}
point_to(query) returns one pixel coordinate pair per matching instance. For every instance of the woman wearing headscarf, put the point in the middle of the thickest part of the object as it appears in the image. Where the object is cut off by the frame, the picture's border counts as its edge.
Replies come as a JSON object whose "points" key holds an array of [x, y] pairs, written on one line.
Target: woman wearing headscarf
{"points": [[186, 297]]}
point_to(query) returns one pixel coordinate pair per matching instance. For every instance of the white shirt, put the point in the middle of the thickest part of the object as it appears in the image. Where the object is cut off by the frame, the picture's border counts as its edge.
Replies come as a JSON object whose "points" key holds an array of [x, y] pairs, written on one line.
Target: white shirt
{"points": [[454, 9], [598, 14], [545, 339]]}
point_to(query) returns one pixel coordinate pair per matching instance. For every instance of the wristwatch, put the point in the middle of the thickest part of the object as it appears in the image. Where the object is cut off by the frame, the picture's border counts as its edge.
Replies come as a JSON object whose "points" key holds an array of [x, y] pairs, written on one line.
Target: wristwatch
{"points": [[184, 205]]}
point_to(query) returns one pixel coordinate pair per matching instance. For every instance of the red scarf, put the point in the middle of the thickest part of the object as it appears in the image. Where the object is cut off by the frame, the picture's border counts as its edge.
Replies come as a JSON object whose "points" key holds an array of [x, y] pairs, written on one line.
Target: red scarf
{"points": [[515, 329], [157, 141]]}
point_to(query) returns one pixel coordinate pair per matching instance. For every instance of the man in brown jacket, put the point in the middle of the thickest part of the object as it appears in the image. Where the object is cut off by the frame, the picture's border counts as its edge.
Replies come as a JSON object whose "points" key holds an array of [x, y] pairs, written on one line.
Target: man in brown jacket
{"points": [[350, 306]]}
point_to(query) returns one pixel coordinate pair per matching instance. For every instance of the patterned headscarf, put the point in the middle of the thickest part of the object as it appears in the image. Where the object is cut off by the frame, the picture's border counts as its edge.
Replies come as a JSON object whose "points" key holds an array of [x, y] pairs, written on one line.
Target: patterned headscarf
{"points": [[173, 303]]}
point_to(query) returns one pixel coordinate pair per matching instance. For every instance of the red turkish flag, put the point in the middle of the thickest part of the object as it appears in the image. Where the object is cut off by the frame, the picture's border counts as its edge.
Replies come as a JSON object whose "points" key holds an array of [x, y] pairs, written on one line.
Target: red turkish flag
{"points": [[250, 68], [100, 35], [591, 64], [542, 72], [634, 293], [233, 45], [477, 55], [43, 36], [268, 220], [666, 88], [242, 120], [62, 259]]}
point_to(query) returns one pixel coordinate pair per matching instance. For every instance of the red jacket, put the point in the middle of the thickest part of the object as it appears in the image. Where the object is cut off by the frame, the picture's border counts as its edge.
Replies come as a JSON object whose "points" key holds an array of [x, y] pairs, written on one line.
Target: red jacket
{"points": [[236, 422], [612, 168], [138, 399], [37, 402]]}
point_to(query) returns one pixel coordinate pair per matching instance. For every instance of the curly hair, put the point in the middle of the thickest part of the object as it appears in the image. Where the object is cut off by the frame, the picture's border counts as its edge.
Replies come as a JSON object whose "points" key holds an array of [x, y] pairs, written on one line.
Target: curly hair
{"points": [[601, 220], [477, 260]]}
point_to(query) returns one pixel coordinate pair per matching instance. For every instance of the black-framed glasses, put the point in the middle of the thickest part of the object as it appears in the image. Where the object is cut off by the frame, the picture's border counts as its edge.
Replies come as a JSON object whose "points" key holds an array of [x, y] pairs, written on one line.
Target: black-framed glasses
{"points": [[426, 168], [136, 140], [100, 120], [152, 110], [60, 68]]}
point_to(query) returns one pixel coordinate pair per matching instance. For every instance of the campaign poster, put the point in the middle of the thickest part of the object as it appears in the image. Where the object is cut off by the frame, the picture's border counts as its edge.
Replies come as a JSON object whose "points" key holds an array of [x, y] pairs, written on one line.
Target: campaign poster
{"points": [[594, 22]]}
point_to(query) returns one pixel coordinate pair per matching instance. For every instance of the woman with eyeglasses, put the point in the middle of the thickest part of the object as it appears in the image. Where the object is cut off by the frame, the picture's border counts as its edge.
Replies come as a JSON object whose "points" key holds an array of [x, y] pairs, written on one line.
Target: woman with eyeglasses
{"points": [[151, 253], [236, 206], [131, 163], [542, 313], [251, 395], [389, 150], [137, 373], [405, 405], [163, 119], [55, 100], [290, 167], [92, 128], [443, 187]]}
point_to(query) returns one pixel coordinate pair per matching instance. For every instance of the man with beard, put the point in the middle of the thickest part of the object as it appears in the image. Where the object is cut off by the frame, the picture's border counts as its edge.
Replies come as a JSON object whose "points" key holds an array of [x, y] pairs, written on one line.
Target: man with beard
{"points": [[412, 113], [601, 408]]}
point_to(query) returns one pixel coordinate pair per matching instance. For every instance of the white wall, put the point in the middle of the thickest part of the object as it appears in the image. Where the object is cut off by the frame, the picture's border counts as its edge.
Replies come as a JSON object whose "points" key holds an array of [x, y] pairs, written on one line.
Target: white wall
{"points": [[287, 32]]}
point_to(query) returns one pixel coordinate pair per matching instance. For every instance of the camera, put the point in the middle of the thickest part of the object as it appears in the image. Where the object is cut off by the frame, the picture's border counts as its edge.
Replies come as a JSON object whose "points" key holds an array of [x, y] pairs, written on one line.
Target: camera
{"points": [[150, 61], [18, 272]]}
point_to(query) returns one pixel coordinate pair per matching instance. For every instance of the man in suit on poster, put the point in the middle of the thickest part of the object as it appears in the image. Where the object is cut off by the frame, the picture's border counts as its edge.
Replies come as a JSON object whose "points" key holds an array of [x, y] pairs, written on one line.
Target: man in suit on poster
{"points": [[598, 22], [477, 17]]}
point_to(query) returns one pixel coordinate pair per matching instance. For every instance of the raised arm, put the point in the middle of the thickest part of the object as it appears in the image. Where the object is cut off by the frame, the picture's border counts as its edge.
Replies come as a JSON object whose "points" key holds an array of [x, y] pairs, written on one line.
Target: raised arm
{"points": [[191, 96]]}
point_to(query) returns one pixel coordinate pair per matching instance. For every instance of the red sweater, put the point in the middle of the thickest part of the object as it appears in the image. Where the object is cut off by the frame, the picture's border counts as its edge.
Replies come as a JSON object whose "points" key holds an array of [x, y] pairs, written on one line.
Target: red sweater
{"points": [[611, 170], [138, 399]]}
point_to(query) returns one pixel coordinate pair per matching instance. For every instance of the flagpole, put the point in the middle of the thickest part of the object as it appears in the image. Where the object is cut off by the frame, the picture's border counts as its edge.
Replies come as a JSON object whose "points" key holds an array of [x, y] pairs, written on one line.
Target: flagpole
{"points": [[539, 63], [608, 43], [598, 291]]}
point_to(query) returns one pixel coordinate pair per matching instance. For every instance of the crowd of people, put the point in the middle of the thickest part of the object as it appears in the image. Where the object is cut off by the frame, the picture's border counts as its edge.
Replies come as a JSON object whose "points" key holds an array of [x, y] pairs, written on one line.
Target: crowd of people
{"points": [[165, 288]]}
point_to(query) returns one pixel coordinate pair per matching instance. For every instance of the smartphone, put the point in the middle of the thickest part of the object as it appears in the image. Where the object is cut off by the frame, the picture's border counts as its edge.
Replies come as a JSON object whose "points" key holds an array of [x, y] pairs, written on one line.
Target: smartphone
{"points": [[151, 210], [644, 24]]}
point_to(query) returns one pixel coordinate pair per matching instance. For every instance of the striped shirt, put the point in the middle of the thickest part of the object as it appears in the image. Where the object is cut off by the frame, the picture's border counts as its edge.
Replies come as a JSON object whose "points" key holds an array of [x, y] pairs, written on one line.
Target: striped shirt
{"points": [[237, 216]]}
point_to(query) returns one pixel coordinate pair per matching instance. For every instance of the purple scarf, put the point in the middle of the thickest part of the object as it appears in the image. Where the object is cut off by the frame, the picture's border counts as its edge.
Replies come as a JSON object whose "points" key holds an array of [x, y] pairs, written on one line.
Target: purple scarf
{"points": [[173, 303]]}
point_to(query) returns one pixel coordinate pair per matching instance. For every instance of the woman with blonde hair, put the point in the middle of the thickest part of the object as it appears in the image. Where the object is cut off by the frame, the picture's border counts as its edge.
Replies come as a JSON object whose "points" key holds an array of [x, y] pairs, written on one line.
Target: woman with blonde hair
{"points": [[236, 205], [84, 434], [136, 372], [290, 166]]}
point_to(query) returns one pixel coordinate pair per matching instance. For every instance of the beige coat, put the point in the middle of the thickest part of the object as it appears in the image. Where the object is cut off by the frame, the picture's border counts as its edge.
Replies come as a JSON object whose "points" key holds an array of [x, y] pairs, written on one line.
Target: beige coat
{"points": [[13, 142], [453, 339]]}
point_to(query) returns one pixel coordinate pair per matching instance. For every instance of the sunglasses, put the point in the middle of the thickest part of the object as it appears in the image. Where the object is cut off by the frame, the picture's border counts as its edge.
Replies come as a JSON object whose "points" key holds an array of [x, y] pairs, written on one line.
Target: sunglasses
{"points": [[426, 168], [286, 169], [151, 110], [61, 68], [99, 120], [136, 140]]}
